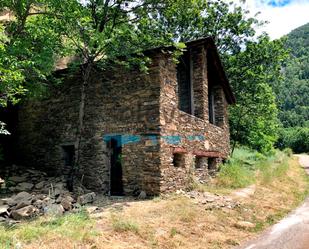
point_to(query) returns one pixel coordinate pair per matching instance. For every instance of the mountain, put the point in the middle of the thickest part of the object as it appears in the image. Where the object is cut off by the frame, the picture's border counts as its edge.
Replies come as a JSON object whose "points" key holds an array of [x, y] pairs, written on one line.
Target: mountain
{"points": [[293, 94]]}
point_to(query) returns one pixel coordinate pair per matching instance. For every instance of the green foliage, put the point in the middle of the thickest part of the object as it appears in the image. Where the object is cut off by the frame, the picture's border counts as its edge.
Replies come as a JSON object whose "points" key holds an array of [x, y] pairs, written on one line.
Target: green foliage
{"points": [[226, 22], [274, 167], [29, 44], [44, 30], [296, 138], [246, 166], [293, 92], [239, 171], [288, 152], [235, 176], [253, 119]]}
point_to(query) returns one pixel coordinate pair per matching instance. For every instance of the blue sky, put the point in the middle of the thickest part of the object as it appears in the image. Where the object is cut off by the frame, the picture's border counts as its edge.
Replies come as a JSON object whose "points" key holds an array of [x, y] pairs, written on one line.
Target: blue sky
{"points": [[275, 3], [282, 15]]}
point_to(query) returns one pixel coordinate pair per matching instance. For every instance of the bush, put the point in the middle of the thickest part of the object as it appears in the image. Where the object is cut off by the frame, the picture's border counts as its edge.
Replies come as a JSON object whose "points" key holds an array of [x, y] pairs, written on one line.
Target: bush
{"points": [[296, 138]]}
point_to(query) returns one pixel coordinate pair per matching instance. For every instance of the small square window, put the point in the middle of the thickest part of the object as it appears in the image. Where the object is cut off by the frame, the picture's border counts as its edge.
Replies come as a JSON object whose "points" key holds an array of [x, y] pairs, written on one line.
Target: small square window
{"points": [[179, 160], [201, 162]]}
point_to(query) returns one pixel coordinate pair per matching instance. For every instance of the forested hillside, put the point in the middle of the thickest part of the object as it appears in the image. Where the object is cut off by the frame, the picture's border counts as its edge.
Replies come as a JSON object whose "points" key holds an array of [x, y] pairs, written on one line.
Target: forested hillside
{"points": [[293, 93]]}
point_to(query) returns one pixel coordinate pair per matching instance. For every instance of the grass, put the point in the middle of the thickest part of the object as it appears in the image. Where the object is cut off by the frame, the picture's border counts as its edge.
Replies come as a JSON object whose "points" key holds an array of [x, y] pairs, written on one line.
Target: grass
{"points": [[176, 221], [120, 224], [75, 227], [246, 167]]}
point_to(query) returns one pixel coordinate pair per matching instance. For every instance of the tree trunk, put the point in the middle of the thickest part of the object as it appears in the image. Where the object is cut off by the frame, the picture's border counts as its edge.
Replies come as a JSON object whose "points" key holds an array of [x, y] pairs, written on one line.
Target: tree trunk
{"points": [[86, 69]]}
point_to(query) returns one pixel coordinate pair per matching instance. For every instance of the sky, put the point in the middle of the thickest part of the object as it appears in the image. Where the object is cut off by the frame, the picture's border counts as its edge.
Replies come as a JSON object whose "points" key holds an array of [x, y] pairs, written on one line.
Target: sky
{"points": [[283, 15]]}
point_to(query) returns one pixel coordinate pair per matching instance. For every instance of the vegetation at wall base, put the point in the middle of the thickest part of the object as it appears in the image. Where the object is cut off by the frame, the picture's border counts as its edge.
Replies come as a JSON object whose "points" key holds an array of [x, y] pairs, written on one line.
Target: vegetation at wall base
{"points": [[246, 167]]}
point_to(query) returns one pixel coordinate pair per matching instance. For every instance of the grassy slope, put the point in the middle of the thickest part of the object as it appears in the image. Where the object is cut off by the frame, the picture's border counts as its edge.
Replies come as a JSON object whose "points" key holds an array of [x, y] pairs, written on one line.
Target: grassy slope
{"points": [[174, 222]]}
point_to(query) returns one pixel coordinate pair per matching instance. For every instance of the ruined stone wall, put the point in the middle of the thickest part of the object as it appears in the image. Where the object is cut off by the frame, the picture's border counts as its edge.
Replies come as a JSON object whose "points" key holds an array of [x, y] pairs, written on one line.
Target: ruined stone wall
{"points": [[189, 135], [45, 125], [118, 102]]}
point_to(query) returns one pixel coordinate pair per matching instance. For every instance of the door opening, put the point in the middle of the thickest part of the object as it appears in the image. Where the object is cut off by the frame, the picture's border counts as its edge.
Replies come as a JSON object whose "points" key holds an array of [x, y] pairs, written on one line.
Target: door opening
{"points": [[116, 184], [69, 158]]}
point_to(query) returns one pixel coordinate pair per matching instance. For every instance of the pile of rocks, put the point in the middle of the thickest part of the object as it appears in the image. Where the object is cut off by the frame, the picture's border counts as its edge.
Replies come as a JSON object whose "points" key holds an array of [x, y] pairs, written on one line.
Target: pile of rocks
{"points": [[31, 193], [210, 201], [26, 205]]}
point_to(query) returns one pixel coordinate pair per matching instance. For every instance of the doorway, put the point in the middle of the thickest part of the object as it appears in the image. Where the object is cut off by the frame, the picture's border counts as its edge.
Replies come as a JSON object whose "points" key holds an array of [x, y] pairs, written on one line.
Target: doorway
{"points": [[69, 159], [116, 183]]}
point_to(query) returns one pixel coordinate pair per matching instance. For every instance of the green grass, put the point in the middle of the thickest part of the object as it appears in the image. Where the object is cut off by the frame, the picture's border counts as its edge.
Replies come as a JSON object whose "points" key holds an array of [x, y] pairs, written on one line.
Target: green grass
{"points": [[245, 167], [120, 224], [274, 167], [75, 226]]}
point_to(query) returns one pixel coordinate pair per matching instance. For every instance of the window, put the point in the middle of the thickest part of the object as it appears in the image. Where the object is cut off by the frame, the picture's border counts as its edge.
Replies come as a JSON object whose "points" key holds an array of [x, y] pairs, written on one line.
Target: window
{"points": [[201, 162], [211, 106], [179, 160], [184, 78], [212, 164], [216, 106]]}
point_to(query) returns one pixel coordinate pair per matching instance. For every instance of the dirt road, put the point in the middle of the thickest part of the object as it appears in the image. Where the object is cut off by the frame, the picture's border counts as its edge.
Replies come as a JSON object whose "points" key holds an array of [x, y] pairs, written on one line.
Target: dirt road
{"points": [[291, 232]]}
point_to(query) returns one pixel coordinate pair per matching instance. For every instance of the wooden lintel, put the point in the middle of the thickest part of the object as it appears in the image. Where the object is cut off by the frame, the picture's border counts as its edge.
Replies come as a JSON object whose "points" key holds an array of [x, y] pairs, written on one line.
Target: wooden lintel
{"points": [[207, 153], [179, 150]]}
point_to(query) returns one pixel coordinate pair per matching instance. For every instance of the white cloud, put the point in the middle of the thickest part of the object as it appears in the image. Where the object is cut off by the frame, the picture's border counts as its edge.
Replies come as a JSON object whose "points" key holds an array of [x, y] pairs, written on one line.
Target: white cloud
{"points": [[281, 19]]}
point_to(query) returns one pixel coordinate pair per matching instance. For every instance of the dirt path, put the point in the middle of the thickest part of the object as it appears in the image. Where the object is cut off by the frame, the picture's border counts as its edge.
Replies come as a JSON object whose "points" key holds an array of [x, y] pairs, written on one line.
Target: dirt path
{"points": [[291, 232]]}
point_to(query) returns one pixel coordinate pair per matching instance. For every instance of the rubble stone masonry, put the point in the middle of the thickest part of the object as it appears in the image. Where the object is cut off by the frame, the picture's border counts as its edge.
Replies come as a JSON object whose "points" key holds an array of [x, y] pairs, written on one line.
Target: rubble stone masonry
{"points": [[161, 145]]}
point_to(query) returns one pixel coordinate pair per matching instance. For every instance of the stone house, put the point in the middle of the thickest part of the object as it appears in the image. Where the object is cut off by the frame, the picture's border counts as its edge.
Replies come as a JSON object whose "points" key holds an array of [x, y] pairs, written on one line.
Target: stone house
{"points": [[141, 131]]}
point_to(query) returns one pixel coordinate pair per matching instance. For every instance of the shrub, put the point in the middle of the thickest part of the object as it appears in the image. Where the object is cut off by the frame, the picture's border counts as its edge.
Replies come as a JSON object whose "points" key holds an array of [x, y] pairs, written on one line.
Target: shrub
{"points": [[296, 138]]}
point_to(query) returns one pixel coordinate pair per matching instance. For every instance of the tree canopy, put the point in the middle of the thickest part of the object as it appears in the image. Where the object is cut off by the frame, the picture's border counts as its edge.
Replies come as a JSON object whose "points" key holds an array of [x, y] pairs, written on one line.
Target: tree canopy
{"points": [[97, 31]]}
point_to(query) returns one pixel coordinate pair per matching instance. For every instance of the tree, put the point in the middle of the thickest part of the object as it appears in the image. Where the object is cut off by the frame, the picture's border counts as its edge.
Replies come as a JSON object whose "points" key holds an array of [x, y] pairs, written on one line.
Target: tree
{"points": [[254, 119], [29, 44], [110, 30], [252, 63]]}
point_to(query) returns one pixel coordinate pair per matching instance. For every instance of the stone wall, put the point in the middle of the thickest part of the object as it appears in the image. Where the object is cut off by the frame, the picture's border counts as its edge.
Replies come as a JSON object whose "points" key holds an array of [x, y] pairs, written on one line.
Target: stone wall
{"points": [[118, 102], [193, 135], [143, 110]]}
